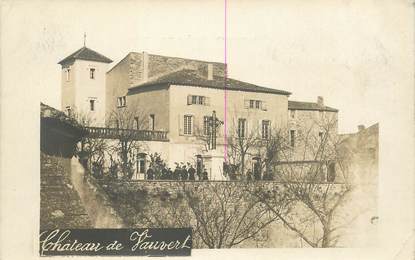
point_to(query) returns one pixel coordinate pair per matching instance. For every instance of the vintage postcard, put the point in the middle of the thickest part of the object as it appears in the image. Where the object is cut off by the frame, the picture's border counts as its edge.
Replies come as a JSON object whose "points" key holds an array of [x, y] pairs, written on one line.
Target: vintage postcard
{"points": [[200, 129]]}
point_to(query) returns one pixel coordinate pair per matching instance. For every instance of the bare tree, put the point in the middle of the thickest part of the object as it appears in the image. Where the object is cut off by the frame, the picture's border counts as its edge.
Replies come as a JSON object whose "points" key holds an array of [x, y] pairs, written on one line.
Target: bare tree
{"points": [[241, 142], [221, 215], [269, 150], [91, 151], [225, 214], [310, 185], [127, 144]]}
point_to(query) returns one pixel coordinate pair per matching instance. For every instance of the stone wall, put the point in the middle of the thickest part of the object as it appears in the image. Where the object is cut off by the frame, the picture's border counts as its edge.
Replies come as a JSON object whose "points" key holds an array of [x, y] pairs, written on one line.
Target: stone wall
{"points": [[159, 65], [166, 204], [60, 205]]}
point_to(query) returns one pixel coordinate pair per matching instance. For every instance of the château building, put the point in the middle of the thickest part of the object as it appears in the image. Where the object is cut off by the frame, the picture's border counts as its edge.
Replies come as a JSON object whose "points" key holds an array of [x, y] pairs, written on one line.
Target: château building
{"points": [[179, 96]]}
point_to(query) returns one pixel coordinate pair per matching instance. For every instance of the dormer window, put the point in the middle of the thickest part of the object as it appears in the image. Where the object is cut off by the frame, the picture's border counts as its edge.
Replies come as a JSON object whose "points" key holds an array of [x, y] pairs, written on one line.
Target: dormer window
{"points": [[92, 73]]}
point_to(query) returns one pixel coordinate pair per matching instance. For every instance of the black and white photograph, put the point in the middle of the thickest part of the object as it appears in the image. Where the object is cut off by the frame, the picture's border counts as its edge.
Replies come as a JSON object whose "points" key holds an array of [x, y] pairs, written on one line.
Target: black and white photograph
{"points": [[197, 128]]}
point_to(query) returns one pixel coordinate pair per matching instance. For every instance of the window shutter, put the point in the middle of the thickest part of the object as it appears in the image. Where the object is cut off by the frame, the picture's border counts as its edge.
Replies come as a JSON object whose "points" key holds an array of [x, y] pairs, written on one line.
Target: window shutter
{"points": [[264, 105], [189, 99], [207, 101], [194, 125], [246, 103]]}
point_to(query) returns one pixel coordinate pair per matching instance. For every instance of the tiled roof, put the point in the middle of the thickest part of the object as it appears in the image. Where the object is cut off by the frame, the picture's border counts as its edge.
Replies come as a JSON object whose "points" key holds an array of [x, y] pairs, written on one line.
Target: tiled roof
{"points": [[191, 78], [297, 105], [85, 53]]}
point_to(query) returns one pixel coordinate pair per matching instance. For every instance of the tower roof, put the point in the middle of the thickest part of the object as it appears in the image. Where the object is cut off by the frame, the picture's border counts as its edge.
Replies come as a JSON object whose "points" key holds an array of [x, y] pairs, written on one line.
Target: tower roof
{"points": [[85, 53]]}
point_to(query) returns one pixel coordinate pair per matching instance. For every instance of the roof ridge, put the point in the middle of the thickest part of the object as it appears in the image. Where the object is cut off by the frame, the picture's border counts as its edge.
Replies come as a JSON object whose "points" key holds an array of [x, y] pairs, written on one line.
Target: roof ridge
{"points": [[86, 53], [191, 77], [315, 106], [177, 57]]}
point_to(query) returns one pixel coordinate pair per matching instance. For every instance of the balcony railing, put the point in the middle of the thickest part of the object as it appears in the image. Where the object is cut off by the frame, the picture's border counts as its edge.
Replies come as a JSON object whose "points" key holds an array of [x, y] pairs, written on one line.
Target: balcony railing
{"points": [[131, 134]]}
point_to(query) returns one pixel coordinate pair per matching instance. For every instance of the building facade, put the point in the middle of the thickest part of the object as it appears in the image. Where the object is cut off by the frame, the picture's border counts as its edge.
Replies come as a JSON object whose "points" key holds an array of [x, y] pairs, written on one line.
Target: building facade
{"points": [[181, 96]]}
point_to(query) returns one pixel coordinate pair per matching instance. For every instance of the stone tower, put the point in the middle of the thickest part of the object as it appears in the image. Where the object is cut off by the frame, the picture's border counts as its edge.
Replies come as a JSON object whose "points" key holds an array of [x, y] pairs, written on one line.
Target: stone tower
{"points": [[83, 85]]}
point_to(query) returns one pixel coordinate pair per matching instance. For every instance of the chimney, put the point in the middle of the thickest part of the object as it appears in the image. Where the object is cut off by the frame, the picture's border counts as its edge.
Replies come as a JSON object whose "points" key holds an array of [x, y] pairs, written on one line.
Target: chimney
{"points": [[320, 101], [144, 67], [210, 71], [360, 128]]}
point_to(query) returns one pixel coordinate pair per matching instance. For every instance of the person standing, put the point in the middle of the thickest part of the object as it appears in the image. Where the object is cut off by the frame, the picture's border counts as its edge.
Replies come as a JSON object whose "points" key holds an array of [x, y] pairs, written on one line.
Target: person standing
{"points": [[150, 173], [191, 172], [176, 173], [164, 173], [185, 175], [169, 174], [205, 175]]}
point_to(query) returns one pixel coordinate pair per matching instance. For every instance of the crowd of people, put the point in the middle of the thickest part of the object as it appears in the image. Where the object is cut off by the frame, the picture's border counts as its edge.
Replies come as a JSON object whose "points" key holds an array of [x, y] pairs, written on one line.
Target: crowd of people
{"points": [[184, 172], [181, 172]]}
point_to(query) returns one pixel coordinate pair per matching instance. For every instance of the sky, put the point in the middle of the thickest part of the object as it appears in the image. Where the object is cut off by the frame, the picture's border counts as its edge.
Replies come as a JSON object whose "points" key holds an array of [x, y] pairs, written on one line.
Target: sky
{"points": [[350, 52]]}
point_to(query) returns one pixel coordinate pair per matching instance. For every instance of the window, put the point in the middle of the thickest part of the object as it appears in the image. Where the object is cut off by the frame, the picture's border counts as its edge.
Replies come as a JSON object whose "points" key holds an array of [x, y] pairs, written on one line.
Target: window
{"points": [[92, 73], [69, 110], [152, 121], [121, 101], [241, 127], [265, 129], [68, 74], [292, 138], [255, 104], [141, 163], [292, 113], [194, 99], [206, 125], [92, 104], [187, 125], [201, 100], [197, 100]]}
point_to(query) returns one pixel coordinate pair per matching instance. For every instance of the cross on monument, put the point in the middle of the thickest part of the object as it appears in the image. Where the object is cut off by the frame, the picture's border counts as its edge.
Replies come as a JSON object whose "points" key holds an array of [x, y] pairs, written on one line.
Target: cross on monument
{"points": [[84, 39]]}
